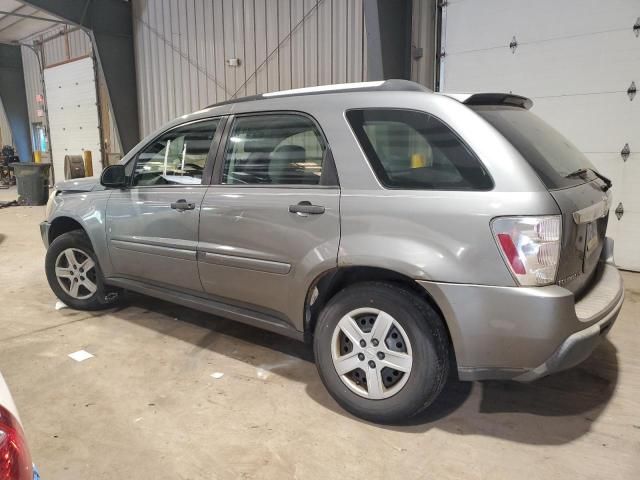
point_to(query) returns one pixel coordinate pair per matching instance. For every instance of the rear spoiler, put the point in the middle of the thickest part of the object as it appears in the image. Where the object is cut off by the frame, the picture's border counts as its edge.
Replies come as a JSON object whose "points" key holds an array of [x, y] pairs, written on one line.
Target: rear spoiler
{"points": [[492, 99]]}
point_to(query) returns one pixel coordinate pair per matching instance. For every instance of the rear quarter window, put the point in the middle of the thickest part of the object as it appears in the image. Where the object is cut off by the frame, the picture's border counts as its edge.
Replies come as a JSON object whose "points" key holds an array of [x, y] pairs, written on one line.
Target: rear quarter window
{"points": [[551, 155], [413, 150]]}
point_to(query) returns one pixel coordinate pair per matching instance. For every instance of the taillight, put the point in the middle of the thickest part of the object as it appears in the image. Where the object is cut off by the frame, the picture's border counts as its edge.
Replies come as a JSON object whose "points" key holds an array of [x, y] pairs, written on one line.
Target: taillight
{"points": [[15, 460], [530, 247]]}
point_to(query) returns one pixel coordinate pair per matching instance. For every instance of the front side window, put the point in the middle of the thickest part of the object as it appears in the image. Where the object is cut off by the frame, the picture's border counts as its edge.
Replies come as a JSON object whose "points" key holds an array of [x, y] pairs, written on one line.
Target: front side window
{"points": [[176, 158], [413, 150], [278, 149]]}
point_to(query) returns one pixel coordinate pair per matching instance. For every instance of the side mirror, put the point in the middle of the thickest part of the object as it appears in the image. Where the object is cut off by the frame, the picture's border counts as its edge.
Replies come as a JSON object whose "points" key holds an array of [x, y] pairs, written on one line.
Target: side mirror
{"points": [[113, 177]]}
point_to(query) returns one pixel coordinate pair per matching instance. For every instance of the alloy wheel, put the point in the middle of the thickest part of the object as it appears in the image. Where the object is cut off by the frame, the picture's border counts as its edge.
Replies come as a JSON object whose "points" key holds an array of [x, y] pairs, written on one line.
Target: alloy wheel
{"points": [[76, 273]]}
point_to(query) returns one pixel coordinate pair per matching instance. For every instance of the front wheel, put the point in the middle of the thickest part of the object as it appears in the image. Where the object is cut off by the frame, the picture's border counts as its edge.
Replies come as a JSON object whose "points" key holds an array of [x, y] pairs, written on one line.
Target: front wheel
{"points": [[74, 274], [381, 351]]}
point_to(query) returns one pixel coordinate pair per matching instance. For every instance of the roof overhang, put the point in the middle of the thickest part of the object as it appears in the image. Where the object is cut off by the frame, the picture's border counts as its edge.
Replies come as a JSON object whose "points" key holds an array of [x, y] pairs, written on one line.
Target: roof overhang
{"points": [[19, 21]]}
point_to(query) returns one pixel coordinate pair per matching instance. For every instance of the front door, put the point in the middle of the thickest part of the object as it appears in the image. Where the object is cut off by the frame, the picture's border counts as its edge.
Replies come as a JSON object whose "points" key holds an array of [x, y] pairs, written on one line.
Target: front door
{"points": [[152, 227], [270, 222]]}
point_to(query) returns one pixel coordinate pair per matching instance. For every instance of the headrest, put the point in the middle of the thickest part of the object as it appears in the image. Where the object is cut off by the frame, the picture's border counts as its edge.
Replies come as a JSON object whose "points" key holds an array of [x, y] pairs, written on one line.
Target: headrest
{"points": [[291, 151], [252, 145]]}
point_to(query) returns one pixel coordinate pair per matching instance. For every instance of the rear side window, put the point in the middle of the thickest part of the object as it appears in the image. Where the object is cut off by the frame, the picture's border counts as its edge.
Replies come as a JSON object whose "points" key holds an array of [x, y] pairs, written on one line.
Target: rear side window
{"points": [[552, 156], [414, 150]]}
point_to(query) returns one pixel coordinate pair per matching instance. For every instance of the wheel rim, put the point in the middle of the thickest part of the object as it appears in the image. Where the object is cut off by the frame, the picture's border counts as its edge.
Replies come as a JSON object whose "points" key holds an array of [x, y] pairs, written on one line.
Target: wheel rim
{"points": [[371, 353], [76, 273]]}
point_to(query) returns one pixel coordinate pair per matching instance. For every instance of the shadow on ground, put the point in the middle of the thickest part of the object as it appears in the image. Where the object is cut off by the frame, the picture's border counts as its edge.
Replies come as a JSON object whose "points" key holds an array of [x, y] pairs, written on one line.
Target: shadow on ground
{"points": [[551, 411]]}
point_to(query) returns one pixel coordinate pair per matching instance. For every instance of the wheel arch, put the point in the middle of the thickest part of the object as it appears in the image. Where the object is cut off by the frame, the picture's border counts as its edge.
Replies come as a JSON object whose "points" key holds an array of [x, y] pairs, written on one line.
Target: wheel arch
{"points": [[329, 283], [61, 225]]}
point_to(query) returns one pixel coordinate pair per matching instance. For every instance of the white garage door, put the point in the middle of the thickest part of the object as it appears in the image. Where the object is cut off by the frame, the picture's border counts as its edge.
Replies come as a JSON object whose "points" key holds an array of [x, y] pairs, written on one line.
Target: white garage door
{"points": [[73, 113], [577, 60]]}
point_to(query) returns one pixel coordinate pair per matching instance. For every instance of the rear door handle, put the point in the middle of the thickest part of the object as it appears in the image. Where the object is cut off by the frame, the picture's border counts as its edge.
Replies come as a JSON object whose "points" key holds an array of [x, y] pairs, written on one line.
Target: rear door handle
{"points": [[306, 208], [182, 205]]}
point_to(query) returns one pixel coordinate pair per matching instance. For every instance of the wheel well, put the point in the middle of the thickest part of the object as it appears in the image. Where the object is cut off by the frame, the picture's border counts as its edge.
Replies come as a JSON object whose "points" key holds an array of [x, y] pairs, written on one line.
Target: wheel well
{"points": [[330, 283], [62, 225]]}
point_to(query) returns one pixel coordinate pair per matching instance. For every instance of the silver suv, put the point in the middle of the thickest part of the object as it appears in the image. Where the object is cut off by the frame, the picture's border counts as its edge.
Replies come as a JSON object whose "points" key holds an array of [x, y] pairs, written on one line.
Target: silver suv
{"points": [[405, 233]]}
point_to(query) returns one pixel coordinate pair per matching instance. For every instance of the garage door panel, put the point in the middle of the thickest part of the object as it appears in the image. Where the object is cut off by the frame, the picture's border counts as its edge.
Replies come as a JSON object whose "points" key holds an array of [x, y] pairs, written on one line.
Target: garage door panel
{"points": [[626, 246], [594, 123], [630, 185], [73, 112], [612, 167], [469, 73], [576, 60], [476, 25], [540, 70]]}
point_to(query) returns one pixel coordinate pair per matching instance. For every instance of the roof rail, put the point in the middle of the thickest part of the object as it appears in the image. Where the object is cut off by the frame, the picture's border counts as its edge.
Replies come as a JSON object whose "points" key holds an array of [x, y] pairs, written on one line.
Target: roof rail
{"points": [[382, 85], [492, 99]]}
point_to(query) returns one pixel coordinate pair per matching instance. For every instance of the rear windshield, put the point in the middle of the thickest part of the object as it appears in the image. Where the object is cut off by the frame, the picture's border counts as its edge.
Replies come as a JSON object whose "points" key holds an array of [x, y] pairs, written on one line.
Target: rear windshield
{"points": [[551, 155], [413, 150]]}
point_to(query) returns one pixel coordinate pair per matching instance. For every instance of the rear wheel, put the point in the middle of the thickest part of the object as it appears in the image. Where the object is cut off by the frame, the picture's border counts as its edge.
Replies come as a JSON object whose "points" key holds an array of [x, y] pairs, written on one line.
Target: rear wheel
{"points": [[74, 274], [382, 351]]}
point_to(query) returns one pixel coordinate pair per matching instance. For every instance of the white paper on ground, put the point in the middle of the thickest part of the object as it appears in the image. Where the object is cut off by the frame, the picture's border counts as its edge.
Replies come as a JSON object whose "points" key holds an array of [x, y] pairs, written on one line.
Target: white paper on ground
{"points": [[60, 305], [80, 355], [217, 375]]}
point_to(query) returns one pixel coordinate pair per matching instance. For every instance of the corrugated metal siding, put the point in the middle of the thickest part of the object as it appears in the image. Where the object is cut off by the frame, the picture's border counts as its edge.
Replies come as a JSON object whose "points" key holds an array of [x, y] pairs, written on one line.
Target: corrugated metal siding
{"points": [[32, 82], [5, 129], [182, 47], [423, 37], [79, 44]]}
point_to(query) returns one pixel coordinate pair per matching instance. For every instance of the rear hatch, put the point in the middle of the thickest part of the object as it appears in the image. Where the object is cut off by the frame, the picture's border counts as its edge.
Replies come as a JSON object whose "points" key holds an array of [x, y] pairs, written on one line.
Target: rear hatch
{"points": [[582, 194]]}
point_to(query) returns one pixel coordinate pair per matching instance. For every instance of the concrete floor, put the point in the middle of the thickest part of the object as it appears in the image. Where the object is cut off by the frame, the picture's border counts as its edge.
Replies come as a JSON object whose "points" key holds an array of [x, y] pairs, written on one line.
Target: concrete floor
{"points": [[147, 407]]}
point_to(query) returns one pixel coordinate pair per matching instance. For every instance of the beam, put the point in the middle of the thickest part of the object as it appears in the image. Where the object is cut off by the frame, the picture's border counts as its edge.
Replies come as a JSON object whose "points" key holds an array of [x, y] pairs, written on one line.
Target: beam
{"points": [[23, 16], [110, 26], [388, 24], [374, 45], [14, 99]]}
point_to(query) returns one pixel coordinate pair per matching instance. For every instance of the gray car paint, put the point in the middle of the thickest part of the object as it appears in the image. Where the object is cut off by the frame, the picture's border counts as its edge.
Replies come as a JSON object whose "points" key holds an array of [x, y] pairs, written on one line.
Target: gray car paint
{"points": [[281, 252], [150, 241], [252, 271]]}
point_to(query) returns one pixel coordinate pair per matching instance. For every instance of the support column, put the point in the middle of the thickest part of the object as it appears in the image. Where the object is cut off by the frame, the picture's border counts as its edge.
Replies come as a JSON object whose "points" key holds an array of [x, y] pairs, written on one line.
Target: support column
{"points": [[388, 24], [14, 99]]}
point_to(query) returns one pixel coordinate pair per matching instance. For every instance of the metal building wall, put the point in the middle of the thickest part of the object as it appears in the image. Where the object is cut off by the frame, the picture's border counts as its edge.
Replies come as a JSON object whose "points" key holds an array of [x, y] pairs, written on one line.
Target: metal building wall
{"points": [[5, 129], [182, 47], [33, 82]]}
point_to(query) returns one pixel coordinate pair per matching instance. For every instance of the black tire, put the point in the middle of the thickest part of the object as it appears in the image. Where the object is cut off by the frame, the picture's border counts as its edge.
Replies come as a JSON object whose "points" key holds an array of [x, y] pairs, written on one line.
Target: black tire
{"points": [[425, 331], [104, 296]]}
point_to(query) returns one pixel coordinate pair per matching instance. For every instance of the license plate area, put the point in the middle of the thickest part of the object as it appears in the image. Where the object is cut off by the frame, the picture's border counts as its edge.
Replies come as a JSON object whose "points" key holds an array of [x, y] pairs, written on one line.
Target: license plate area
{"points": [[593, 240]]}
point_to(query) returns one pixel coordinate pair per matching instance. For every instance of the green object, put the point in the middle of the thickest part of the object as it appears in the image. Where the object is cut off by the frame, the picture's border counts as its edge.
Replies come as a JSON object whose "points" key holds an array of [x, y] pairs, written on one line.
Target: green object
{"points": [[33, 182]]}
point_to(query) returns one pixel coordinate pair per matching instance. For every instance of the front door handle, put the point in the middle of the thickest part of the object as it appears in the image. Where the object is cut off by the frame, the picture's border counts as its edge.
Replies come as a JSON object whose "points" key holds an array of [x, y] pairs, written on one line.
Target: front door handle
{"points": [[182, 205], [306, 208]]}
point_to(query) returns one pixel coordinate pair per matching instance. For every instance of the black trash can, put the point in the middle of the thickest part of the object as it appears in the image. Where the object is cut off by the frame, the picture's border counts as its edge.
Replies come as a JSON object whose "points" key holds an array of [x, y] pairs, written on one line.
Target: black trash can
{"points": [[33, 182]]}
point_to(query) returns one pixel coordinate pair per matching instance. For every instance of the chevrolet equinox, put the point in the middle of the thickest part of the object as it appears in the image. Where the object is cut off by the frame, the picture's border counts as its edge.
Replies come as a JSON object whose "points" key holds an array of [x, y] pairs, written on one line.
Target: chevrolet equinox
{"points": [[404, 233]]}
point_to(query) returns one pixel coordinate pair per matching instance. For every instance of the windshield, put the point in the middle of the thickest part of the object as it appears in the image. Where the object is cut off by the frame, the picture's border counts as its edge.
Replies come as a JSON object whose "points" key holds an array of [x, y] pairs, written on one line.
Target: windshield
{"points": [[551, 155]]}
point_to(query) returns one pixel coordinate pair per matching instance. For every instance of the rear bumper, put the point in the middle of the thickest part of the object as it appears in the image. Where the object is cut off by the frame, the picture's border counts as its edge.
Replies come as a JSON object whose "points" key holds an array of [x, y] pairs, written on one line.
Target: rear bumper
{"points": [[576, 348], [524, 333], [44, 233]]}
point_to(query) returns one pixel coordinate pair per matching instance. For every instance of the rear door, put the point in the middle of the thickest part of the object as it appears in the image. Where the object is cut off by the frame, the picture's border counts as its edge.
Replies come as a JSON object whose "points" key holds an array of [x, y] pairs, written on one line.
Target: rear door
{"points": [[152, 227], [270, 222]]}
